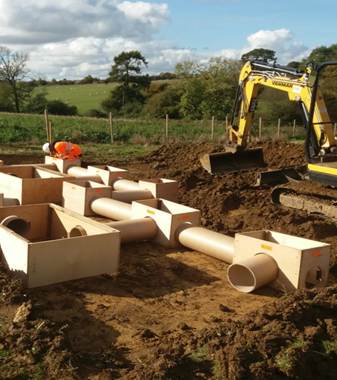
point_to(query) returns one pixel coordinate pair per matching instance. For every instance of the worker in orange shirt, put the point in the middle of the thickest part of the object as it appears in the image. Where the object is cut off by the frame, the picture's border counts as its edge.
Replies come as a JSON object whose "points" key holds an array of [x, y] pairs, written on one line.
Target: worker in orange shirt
{"points": [[63, 149]]}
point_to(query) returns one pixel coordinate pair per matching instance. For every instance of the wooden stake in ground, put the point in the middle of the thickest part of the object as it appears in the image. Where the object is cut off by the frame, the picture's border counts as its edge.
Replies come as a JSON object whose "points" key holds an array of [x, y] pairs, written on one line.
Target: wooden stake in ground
{"points": [[278, 128], [294, 128], [50, 132], [212, 127], [260, 128], [47, 124], [167, 127], [111, 127]]}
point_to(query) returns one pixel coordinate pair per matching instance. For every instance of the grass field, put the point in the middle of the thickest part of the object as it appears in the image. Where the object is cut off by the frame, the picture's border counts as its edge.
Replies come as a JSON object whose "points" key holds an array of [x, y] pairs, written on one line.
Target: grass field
{"points": [[84, 96], [91, 152], [30, 128]]}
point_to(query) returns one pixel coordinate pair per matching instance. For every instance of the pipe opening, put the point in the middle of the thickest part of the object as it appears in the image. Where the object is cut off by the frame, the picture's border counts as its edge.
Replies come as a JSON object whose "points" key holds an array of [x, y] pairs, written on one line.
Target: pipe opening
{"points": [[314, 277], [77, 231], [17, 225], [242, 278], [253, 272]]}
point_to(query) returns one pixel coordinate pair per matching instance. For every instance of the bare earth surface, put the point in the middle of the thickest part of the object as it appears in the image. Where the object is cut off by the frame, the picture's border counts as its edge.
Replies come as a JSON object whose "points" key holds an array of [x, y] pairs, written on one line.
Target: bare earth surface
{"points": [[171, 313]]}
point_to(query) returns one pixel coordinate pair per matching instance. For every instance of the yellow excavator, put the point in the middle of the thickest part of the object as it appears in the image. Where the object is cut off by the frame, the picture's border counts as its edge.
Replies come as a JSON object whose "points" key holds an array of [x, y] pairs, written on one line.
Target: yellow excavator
{"points": [[302, 86]]}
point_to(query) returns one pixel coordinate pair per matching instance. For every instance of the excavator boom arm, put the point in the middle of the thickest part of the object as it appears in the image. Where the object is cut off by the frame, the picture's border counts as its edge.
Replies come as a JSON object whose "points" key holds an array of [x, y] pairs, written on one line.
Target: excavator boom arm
{"points": [[292, 81]]}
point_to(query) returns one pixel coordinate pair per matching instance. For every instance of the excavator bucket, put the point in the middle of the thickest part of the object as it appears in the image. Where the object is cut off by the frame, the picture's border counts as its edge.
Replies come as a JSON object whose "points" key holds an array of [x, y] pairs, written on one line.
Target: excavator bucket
{"points": [[233, 161]]}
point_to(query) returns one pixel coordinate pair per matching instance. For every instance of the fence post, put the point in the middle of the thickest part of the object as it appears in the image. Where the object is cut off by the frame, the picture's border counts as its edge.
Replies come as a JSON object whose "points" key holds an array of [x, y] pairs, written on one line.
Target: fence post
{"points": [[50, 132], [335, 128], [227, 125], [111, 127], [278, 128], [167, 126], [260, 128], [294, 128], [47, 124], [212, 127]]}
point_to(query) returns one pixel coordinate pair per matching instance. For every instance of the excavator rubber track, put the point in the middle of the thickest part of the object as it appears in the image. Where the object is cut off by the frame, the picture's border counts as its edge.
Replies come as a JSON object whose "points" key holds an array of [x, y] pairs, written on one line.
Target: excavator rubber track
{"points": [[312, 198]]}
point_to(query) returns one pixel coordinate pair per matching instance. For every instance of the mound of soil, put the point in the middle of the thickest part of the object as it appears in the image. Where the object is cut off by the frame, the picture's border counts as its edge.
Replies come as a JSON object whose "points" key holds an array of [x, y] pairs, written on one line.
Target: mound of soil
{"points": [[171, 313]]}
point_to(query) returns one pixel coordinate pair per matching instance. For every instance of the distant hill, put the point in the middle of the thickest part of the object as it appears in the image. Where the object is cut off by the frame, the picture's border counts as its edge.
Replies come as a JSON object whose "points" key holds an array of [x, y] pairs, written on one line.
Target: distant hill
{"points": [[84, 96]]}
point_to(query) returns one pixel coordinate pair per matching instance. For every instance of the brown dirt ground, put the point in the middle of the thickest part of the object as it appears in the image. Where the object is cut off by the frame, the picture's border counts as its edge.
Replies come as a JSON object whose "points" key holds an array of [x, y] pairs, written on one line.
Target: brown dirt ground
{"points": [[171, 313]]}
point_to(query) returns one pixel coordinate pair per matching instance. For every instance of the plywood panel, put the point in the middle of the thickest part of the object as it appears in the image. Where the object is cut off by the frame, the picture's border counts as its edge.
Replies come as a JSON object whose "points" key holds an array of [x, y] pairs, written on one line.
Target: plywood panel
{"points": [[50, 261], [21, 171], [10, 186], [46, 173], [14, 253], [63, 221], [43, 190], [36, 215], [68, 259], [167, 215], [78, 196], [294, 256], [62, 165]]}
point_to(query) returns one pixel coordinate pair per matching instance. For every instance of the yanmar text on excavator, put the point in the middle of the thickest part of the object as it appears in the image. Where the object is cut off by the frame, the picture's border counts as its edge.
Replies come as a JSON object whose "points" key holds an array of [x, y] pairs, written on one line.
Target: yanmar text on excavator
{"points": [[302, 86]]}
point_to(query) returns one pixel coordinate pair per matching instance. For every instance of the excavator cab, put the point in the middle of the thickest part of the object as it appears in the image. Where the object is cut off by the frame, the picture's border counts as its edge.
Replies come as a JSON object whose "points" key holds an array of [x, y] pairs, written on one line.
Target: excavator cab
{"points": [[320, 142]]}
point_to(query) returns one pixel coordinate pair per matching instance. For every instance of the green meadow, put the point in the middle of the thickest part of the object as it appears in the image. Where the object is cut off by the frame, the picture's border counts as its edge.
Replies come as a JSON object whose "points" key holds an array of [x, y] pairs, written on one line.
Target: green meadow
{"points": [[29, 128], [84, 96]]}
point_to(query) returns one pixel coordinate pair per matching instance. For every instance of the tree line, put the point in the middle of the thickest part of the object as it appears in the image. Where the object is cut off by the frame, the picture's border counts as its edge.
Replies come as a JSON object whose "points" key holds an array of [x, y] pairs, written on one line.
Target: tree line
{"points": [[195, 90]]}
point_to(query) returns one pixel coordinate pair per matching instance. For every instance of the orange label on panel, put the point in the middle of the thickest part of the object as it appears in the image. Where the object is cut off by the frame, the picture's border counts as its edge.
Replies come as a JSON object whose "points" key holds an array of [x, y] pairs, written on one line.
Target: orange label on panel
{"points": [[267, 247], [118, 173], [73, 187], [316, 253], [98, 191], [185, 217], [150, 212]]}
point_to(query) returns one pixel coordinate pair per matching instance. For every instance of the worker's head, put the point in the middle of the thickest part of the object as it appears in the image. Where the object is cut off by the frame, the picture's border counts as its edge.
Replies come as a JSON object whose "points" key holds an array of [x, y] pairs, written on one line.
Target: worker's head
{"points": [[46, 147]]}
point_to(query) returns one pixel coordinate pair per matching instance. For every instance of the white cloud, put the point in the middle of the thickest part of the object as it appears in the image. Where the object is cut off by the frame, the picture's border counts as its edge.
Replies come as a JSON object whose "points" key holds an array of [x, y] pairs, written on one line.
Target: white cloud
{"points": [[44, 21], [281, 41], [88, 55], [74, 38]]}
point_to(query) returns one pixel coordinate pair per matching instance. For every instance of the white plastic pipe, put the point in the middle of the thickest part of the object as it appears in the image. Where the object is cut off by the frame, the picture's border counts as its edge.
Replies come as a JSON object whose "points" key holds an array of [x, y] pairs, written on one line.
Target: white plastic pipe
{"points": [[81, 174], [128, 196], [111, 208], [253, 272], [211, 243], [77, 171], [125, 184], [135, 229]]}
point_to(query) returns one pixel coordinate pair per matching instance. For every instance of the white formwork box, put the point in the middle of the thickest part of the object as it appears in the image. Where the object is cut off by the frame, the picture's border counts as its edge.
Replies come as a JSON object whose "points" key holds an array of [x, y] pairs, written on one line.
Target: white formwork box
{"points": [[168, 217], [301, 262], [60, 246], [31, 184]]}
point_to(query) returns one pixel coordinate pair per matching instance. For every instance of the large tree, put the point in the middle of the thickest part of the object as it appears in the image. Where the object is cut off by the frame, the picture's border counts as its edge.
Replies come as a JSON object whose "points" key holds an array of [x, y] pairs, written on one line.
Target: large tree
{"points": [[127, 71], [265, 55], [323, 54], [208, 88], [13, 70]]}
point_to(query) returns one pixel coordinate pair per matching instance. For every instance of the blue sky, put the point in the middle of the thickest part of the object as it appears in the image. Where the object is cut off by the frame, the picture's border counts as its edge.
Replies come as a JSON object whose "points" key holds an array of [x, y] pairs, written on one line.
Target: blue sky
{"points": [[74, 38], [225, 24]]}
